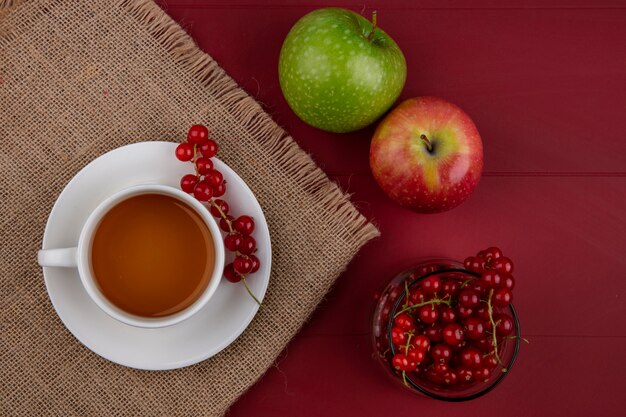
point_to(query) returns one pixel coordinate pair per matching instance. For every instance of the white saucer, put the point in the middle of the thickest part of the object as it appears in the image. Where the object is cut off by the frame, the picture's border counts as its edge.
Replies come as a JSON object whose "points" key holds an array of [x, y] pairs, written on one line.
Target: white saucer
{"points": [[221, 321]]}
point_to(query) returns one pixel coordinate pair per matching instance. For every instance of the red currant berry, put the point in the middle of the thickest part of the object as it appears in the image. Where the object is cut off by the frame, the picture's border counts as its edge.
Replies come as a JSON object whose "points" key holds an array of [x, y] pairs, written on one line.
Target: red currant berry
{"points": [[243, 265], [504, 324], [248, 245], [428, 314], [204, 165], [398, 336], [416, 296], [434, 333], [465, 375], [504, 265], [468, 298], [450, 378], [492, 253], [478, 287], [412, 363], [482, 374], [184, 152], [447, 314], [487, 325], [449, 287], [416, 356], [208, 148], [219, 190], [441, 368], [401, 362], [425, 270], [482, 254], [502, 297], [483, 312], [431, 284], [427, 360], [214, 177], [405, 322], [188, 183], [453, 335], [491, 279], [477, 264], [471, 358], [464, 312], [197, 134], [484, 345], [224, 222], [223, 206], [474, 328], [508, 282], [202, 191], [441, 353], [231, 274], [255, 263], [421, 342], [490, 362], [433, 376], [244, 225], [232, 242]]}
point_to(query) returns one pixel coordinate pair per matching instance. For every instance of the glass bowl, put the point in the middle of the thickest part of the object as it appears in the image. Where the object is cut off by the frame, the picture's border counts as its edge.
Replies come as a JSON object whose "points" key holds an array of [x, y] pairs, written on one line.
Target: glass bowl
{"points": [[389, 303]]}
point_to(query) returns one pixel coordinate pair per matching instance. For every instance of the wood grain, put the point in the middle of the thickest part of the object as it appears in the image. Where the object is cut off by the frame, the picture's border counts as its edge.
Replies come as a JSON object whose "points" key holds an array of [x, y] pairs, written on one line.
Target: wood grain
{"points": [[546, 87], [545, 82]]}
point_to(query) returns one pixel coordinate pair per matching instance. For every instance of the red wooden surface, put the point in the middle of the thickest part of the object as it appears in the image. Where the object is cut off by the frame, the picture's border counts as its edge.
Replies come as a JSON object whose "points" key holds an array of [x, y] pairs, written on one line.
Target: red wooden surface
{"points": [[545, 82]]}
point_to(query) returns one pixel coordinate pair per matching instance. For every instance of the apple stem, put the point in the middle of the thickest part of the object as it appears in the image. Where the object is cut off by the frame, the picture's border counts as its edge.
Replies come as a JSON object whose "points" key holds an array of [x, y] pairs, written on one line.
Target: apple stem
{"points": [[371, 35], [429, 145]]}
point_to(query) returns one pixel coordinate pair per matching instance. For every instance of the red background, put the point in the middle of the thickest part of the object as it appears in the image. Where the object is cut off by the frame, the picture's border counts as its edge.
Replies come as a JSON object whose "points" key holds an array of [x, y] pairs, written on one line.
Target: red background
{"points": [[545, 82]]}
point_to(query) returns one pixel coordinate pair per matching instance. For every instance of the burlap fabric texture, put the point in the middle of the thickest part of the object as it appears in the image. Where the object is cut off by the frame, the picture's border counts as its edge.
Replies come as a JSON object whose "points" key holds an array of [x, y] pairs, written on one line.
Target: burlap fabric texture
{"points": [[56, 60]]}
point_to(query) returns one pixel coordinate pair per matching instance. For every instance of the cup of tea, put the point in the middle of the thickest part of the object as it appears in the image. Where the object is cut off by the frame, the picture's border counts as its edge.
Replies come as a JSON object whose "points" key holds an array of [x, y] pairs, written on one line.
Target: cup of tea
{"points": [[149, 256]]}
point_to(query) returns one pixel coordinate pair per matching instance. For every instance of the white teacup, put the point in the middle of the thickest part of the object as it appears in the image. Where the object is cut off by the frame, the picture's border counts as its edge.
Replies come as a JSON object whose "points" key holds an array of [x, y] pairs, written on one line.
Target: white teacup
{"points": [[80, 257]]}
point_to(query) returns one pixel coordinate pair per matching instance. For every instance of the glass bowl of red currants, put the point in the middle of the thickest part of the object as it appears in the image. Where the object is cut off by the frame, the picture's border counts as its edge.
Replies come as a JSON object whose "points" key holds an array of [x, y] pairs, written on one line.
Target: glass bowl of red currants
{"points": [[447, 329]]}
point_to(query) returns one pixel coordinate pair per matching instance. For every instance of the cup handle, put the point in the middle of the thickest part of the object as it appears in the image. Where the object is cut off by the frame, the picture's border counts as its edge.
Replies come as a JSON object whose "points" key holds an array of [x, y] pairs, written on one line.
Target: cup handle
{"points": [[64, 257]]}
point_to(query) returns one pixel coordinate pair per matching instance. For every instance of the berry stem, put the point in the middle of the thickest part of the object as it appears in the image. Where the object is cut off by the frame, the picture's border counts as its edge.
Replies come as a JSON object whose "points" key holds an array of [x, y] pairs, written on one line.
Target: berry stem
{"points": [[371, 34], [404, 378], [427, 142], [223, 216], [494, 335], [245, 284], [425, 303], [513, 337], [408, 341], [406, 295], [466, 282], [195, 157]]}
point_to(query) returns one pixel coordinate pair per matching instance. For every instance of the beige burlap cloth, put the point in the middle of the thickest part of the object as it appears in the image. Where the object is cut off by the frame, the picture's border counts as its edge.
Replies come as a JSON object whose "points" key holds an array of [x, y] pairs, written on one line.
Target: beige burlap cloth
{"points": [[79, 78]]}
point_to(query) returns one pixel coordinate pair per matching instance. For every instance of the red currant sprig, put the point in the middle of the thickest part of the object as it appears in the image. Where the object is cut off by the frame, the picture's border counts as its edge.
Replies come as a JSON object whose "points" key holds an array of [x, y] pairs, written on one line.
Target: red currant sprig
{"points": [[496, 282], [207, 184]]}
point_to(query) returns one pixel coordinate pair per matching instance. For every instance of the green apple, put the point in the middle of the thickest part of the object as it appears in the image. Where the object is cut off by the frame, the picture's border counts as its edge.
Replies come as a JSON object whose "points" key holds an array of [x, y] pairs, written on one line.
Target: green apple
{"points": [[338, 71]]}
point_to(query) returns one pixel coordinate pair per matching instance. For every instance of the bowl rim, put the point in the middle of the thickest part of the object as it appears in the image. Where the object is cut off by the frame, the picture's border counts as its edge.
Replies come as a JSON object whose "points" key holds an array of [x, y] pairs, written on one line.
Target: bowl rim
{"points": [[426, 392]]}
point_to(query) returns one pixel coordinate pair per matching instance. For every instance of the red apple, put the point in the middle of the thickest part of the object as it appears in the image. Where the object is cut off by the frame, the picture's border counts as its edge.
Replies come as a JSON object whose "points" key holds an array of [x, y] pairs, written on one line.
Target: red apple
{"points": [[427, 155]]}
